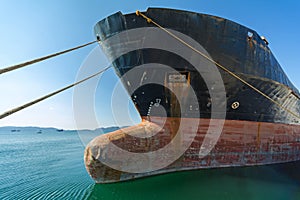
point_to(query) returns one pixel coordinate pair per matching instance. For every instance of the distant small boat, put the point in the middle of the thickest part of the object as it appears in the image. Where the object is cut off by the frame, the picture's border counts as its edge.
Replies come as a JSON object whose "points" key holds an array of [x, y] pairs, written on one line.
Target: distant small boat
{"points": [[15, 130], [59, 130], [39, 132]]}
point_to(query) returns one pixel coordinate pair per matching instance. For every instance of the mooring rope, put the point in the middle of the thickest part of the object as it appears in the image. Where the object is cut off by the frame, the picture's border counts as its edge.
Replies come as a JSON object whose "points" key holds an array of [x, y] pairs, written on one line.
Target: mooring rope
{"points": [[7, 113], [24, 64], [149, 20]]}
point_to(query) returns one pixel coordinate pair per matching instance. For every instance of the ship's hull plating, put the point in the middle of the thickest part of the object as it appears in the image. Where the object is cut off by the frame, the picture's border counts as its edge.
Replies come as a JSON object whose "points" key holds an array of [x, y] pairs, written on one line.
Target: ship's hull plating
{"points": [[242, 143], [256, 131]]}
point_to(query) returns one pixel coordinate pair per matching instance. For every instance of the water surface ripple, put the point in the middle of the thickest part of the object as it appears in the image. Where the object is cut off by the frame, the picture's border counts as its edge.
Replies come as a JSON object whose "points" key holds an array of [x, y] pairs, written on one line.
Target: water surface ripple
{"points": [[49, 165]]}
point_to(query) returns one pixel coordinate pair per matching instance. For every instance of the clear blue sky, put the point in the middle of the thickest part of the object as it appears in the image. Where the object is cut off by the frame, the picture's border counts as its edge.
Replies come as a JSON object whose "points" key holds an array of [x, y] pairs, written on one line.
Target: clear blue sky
{"points": [[30, 29]]}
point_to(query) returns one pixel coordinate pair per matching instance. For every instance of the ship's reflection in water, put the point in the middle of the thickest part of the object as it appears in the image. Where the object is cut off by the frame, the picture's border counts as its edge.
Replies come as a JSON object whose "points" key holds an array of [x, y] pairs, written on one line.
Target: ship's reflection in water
{"points": [[280, 181]]}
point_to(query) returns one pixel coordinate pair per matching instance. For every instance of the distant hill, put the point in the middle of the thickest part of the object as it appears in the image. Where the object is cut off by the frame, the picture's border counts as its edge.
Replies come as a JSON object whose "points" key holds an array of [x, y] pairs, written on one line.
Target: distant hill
{"points": [[40, 129]]}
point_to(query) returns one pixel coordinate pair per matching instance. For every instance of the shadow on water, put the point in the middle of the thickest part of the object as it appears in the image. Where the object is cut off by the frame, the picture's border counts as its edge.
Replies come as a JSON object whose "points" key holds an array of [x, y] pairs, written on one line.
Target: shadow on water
{"points": [[281, 181]]}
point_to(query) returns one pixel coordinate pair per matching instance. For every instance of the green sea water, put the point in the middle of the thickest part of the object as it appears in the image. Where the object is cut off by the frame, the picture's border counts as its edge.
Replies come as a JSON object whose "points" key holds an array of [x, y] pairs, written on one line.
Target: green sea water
{"points": [[47, 164]]}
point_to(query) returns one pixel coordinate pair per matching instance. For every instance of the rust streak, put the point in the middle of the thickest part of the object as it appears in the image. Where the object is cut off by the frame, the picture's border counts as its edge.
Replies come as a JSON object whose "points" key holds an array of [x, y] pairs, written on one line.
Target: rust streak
{"points": [[258, 135]]}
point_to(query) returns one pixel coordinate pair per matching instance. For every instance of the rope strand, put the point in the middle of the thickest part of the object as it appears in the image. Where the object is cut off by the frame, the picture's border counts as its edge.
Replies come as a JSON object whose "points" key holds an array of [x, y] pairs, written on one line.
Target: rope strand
{"points": [[7, 113], [149, 20], [24, 64]]}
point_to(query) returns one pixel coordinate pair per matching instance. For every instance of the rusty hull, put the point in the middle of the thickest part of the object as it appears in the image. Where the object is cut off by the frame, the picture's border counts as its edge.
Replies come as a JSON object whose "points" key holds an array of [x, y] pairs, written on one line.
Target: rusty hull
{"points": [[242, 143]]}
